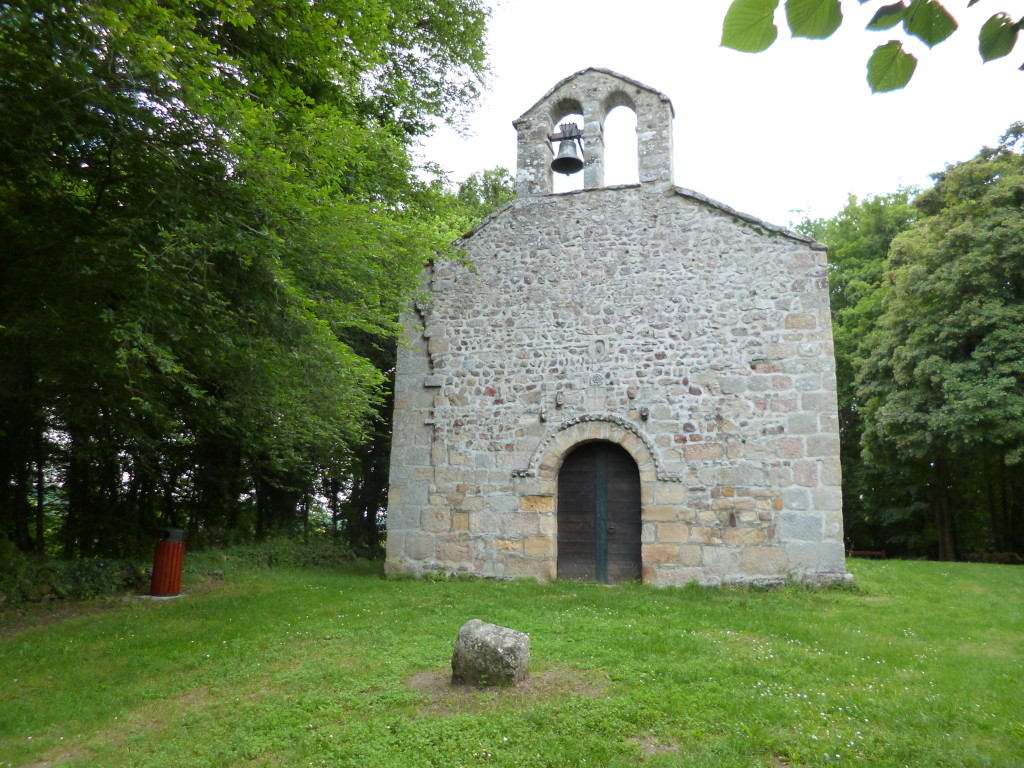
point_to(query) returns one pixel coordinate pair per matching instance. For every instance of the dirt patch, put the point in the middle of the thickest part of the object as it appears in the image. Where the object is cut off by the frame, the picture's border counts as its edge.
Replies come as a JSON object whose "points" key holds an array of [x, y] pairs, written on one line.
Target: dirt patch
{"points": [[59, 757], [651, 745], [17, 619], [547, 685]]}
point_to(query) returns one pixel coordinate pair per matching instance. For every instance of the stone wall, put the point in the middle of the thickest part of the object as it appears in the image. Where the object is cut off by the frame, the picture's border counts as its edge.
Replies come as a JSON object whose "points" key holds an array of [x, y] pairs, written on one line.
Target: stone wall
{"points": [[697, 338]]}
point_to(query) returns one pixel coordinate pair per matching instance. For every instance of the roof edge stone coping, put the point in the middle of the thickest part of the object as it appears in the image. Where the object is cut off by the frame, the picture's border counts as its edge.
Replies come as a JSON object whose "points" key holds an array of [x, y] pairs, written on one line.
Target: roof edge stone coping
{"points": [[604, 71], [682, 192]]}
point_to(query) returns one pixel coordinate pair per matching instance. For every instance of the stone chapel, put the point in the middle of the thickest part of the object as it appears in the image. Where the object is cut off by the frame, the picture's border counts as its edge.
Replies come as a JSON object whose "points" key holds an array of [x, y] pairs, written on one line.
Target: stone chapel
{"points": [[623, 383]]}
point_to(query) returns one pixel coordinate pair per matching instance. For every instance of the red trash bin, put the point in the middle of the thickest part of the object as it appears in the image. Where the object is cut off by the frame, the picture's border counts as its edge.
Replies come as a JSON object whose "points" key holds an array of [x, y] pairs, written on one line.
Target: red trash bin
{"points": [[168, 560]]}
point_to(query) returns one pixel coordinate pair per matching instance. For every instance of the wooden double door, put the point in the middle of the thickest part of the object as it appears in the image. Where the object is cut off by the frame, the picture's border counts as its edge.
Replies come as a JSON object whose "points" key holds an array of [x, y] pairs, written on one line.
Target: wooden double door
{"points": [[599, 515]]}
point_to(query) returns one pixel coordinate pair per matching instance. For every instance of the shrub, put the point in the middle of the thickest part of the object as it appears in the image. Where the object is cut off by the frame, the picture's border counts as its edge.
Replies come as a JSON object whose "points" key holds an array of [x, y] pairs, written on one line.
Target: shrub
{"points": [[288, 553], [25, 579]]}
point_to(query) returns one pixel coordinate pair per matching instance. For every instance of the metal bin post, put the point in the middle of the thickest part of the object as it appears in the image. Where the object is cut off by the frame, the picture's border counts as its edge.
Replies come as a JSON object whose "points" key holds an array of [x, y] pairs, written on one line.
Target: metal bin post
{"points": [[168, 560]]}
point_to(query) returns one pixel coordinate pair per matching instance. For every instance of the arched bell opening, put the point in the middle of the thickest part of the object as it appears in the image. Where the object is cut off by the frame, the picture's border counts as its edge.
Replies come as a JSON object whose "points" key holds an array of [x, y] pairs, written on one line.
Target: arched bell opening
{"points": [[621, 149], [598, 515], [564, 150]]}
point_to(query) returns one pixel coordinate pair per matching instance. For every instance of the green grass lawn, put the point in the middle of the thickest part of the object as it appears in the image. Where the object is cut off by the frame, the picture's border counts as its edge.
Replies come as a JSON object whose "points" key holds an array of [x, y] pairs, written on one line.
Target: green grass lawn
{"points": [[921, 665]]}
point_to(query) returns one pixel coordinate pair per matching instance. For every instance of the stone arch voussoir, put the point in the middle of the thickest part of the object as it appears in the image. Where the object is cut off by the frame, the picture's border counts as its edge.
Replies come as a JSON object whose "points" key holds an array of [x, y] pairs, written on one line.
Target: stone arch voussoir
{"points": [[556, 445], [563, 108], [615, 99]]}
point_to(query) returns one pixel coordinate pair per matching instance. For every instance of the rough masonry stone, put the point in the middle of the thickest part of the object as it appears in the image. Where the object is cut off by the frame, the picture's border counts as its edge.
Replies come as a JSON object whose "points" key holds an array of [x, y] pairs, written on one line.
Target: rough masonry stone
{"points": [[487, 654]]}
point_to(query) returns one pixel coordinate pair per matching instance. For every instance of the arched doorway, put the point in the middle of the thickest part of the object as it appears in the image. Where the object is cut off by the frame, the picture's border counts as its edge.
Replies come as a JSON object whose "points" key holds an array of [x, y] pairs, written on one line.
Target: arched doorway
{"points": [[599, 515]]}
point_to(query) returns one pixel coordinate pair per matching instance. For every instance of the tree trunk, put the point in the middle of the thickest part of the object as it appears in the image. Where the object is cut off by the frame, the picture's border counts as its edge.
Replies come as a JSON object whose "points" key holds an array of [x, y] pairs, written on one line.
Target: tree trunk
{"points": [[997, 509], [333, 504], [945, 521], [19, 412], [40, 502], [1013, 500], [304, 507], [262, 508]]}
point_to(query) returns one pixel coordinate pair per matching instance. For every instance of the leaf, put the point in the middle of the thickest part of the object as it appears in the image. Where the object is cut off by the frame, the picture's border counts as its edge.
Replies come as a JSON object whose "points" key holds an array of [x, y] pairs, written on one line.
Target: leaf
{"points": [[887, 17], [997, 37], [890, 67], [929, 22], [814, 19], [749, 25]]}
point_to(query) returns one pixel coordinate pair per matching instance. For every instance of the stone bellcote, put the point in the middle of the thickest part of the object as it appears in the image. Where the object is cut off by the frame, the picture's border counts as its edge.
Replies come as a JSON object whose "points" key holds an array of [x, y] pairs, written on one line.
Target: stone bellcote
{"points": [[593, 93]]}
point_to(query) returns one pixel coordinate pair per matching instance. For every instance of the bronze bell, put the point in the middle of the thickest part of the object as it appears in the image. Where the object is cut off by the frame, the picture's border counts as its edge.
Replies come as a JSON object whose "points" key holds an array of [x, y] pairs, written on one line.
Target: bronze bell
{"points": [[568, 160]]}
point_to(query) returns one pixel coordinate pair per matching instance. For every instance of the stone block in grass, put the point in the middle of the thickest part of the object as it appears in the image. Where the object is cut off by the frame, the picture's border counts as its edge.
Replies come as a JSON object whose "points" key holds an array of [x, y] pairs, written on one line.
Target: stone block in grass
{"points": [[486, 654]]}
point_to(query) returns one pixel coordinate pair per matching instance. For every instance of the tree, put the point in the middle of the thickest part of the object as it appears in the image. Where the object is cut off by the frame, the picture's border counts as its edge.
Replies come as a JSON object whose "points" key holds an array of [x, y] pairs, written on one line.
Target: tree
{"points": [[749, 26], [208, 209], [943, 385], [484, 192]]}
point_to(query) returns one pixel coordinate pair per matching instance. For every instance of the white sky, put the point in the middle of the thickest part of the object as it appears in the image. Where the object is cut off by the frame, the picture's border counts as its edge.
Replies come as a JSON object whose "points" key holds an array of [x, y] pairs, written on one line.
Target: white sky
{"points": [[776, 134]]}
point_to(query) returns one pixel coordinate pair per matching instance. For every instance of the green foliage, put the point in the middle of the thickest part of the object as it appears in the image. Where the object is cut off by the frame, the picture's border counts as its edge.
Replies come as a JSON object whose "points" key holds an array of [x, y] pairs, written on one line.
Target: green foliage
{"points": [[211, 221], [919, 666], [813, 19], [890, 67], [949, 343], [33, 580], [928, 21], [887, 17], [998, 37], [287, 553], [483, 193], [943, 384], [749, 26]]}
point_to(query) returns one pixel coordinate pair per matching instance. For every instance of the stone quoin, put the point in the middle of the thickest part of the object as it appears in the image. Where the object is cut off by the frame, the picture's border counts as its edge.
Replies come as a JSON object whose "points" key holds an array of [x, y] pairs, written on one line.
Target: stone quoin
{"points": [[628, 382]]}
